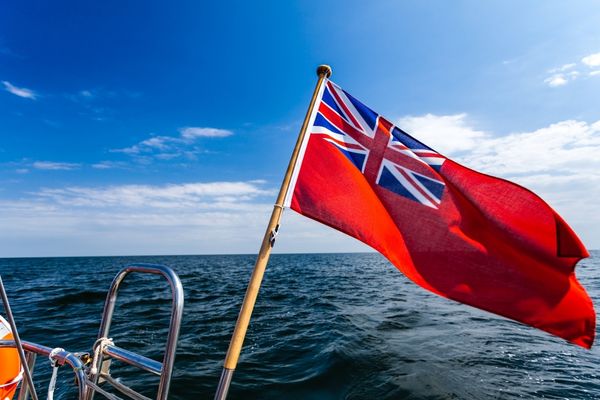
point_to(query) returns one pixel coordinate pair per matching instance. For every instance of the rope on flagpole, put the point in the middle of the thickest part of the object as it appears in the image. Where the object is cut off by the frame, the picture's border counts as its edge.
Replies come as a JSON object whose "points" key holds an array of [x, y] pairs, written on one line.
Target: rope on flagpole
{"points": [[241, 326]]}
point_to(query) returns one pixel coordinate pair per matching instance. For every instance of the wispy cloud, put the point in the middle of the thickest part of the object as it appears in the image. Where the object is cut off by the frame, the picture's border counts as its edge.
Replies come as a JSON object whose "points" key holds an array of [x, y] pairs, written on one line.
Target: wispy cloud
{"points": [[98, 103], [196, 217], [211, 195], [169, 147], [51, 165], [562, 68], [190, 218], [148, 145], [192, 132], [87, 94], [561, 76], [109, 165], [19, 91]]}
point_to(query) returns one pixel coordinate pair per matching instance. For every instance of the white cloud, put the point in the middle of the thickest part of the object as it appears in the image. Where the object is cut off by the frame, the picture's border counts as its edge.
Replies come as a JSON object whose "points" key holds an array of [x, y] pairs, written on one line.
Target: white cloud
{"points": [[109, 165], [208, 217], [190, 218], [562, 68], [213, 195], [567, 147], [592, 60], [556, 80], [157, 142], [450, 133], [170, 147], [17, 91], [135, 149], [192, 132], [51, 165], [562, 75], [561, 79], [566, 73]]}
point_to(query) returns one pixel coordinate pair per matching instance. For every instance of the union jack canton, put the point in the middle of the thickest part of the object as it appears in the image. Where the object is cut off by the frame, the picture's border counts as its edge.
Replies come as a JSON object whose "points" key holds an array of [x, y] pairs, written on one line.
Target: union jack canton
{"points": [[386, 155]]}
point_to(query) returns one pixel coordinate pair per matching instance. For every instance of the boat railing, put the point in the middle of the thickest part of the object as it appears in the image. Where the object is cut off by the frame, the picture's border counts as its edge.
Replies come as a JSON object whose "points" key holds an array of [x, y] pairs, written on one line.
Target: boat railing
{"points": [[92, 371], [32, 350], [101, 369]]}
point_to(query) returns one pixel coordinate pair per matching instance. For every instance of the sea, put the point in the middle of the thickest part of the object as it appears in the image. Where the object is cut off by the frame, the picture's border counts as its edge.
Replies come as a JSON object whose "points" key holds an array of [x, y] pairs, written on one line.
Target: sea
{"points": [[325, 326]]}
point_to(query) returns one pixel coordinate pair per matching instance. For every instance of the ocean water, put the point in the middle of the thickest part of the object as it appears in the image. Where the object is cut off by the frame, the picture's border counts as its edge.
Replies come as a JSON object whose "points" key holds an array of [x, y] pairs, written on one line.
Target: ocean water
{"points": [[326, 326]]}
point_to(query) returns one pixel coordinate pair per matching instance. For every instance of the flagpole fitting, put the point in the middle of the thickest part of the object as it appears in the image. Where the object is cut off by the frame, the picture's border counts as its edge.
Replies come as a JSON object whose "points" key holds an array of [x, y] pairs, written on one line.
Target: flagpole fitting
{"points": [[324, 70]]}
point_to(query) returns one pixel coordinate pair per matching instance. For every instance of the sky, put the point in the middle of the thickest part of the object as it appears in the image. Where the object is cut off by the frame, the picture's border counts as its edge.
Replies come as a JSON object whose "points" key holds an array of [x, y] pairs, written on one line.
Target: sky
{"points": [[141, 127]]}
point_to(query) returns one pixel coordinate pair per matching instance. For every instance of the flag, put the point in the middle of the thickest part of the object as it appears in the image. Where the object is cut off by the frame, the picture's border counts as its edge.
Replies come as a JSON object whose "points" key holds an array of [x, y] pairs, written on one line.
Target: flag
{"points": [[464, 235]]}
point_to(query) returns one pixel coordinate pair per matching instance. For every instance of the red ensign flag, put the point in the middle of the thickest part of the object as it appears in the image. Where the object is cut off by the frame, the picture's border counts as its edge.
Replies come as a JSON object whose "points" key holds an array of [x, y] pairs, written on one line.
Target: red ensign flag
{"points": [[470, 237]]}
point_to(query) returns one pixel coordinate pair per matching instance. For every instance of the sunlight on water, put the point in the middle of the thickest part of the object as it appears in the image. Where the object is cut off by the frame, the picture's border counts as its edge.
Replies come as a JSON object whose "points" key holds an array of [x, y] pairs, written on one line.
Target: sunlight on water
{"points": [[336, 326]]}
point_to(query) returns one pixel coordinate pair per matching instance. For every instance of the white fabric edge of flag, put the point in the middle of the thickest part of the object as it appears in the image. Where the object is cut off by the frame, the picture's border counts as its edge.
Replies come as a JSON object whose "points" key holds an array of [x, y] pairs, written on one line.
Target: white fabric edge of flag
{"points": [[292, 186]]}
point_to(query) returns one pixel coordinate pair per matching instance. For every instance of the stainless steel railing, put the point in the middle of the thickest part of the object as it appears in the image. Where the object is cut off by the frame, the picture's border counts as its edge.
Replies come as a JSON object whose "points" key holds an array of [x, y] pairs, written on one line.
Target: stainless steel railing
{"points": [[61, 357], [88, 377], [164, 369]]}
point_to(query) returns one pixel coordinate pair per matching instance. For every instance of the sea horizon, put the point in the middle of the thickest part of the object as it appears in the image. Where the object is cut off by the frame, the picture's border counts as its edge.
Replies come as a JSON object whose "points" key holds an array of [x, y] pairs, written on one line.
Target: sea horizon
{"points": [[210, 254]]}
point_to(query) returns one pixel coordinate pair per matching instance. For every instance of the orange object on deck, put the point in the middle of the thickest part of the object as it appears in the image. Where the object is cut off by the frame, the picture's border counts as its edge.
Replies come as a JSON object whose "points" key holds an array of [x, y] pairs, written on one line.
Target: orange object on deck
{"points": [[10, 365]]}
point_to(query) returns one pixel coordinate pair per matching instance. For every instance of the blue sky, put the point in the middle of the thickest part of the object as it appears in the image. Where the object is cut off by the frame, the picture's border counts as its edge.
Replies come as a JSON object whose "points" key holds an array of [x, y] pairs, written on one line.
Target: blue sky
{"points": [[144, 128]]}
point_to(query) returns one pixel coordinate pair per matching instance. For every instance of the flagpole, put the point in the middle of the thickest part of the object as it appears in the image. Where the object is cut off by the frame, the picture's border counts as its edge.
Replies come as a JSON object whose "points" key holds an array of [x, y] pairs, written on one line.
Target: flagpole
{"points": [[241, 326]]}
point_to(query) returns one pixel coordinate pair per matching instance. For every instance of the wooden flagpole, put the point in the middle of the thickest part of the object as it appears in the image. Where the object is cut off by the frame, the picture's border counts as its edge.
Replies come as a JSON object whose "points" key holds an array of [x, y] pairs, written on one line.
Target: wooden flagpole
{"points": [[241, 326]]}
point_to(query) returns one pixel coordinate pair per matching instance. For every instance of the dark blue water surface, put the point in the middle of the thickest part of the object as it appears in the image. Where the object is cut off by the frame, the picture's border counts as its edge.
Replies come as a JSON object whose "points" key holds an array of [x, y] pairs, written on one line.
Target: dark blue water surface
{"points": [[326, 326]]}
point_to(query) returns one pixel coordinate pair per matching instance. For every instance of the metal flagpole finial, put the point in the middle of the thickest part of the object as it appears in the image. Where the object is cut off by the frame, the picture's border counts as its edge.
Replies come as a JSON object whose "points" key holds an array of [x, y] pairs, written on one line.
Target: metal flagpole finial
{"points": [[324, 69]]}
